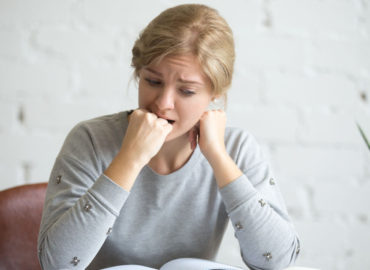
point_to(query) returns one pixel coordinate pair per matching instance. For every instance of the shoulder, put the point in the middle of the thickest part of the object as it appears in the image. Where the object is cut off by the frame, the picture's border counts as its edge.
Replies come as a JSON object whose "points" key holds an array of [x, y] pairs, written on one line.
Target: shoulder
{"points": [[242, 146], [106, 125], [103, 123], [96, 133], [238, 137]]}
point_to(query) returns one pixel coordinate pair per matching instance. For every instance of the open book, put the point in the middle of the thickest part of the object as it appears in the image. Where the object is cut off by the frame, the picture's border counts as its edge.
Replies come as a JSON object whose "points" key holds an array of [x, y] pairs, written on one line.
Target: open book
{"points": [[180, 264]]}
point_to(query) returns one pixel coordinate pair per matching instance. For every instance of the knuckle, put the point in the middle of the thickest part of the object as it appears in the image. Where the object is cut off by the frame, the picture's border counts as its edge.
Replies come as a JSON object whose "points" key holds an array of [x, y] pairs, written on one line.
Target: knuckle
{"points": [[137, 112], [148, 117], [158, 124]]}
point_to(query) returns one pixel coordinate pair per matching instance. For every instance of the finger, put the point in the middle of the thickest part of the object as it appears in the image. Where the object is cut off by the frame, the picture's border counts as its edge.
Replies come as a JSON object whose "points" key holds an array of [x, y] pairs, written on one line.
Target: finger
{"points": [[167, 128], [139, 111], [193, 137], [162, 121], [129, 114], [142, 110]]}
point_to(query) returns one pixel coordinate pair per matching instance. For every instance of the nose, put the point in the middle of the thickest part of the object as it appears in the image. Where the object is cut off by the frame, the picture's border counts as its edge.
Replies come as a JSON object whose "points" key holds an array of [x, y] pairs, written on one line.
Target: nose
{"points": [[166, 99]]}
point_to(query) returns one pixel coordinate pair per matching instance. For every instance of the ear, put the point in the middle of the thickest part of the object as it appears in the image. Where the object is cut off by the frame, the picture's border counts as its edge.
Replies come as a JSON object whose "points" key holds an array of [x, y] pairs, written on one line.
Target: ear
{"points": [[215, 97]]}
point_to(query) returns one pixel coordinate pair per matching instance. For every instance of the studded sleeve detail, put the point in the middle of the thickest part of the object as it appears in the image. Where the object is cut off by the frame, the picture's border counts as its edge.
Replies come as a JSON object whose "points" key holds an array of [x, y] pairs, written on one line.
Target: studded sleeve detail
{"points": [[257, 211]]}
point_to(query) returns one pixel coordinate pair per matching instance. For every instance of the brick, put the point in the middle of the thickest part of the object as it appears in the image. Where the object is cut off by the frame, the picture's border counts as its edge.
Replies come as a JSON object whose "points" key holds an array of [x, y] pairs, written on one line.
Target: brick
{"points": [[363, 84], [36, 11], [319, 163], [99, 81], [251, 7], [357, 261], [8, 115], [335, 240], [248, 18], [59, 116], [271, 52], [12, 42], [345, 198], [40, 171], [30, 148], [296, 197], [315, 18], [110, 86], [322, 243], [362, 240], [362, 117], [350, 57], [266, 122], [76, 44], [320, 90], [29, 157], [330, 128], [11, 175], [246, 89], [116, 12], [364, 18], [45, 77]]}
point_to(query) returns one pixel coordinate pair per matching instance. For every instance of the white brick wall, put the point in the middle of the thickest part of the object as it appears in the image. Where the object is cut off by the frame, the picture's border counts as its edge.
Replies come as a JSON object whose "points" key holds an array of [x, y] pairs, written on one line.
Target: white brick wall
{"points": [[302, 79]]}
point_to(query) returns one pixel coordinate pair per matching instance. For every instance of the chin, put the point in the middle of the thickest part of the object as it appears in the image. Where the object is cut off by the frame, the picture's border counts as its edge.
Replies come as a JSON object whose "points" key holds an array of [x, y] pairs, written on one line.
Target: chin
{"points": [[170, 137], [173, 136]]}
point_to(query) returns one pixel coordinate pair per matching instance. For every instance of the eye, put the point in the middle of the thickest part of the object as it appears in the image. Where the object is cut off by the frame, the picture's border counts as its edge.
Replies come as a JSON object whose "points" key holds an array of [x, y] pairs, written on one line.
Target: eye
{"points": [[187, 92], [152, 82]]}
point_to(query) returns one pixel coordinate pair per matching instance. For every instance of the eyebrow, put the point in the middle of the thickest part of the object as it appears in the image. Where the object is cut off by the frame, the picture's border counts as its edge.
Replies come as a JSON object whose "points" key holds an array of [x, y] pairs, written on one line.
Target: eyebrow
{"points": [[180, 80]]}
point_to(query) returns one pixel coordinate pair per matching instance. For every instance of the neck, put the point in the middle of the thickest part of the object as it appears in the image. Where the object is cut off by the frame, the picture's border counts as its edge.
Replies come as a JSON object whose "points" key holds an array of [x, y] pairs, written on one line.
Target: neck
{"points": [[172, 156]]}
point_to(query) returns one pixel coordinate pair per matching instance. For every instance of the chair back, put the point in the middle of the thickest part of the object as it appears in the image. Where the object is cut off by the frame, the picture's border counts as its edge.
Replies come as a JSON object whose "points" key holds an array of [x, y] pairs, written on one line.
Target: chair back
{"points": [[20, 217]]}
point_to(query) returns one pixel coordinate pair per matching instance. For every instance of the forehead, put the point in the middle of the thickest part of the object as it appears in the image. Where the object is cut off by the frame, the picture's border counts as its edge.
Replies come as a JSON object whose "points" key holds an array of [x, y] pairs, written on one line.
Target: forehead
{"points": [[186, 64]]}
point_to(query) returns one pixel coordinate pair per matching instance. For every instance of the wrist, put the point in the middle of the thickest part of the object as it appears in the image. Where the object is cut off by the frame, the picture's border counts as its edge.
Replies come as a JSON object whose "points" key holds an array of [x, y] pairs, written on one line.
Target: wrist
{"points": [[124, 170], [132, 159], [216, 156], [224, 169], [132, 155]]}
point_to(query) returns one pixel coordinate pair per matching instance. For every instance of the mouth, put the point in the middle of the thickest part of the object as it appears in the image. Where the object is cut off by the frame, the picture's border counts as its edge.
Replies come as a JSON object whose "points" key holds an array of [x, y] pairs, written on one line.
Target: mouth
{"points": [[163, 117]]}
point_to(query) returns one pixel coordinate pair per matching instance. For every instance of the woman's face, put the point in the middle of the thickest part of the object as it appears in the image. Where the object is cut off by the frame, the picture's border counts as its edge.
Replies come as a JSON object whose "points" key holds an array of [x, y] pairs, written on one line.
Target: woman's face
{"points": [[177, 90]]}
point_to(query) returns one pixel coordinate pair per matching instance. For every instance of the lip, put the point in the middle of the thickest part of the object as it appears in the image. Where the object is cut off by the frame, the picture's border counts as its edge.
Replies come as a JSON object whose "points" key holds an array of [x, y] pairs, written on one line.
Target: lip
{"points": [[171, 121]]}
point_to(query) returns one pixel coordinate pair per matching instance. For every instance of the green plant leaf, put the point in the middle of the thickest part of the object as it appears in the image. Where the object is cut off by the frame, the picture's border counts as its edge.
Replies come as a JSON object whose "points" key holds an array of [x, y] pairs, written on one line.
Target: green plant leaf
{"points": [[363, 136]]}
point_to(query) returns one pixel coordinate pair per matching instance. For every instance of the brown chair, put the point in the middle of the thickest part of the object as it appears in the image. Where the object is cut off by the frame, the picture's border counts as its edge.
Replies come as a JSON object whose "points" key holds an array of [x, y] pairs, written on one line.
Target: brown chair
{"points": [[20, 217]]}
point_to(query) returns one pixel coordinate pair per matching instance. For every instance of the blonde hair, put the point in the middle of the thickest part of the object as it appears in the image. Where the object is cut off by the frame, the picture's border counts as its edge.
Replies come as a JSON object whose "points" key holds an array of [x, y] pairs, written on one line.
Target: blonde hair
{"points": [[189, 28]]}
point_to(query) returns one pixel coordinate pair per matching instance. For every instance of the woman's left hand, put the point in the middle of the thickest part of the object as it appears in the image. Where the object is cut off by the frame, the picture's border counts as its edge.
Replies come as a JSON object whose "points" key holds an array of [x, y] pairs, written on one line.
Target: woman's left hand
{"points": [[211, 133]]}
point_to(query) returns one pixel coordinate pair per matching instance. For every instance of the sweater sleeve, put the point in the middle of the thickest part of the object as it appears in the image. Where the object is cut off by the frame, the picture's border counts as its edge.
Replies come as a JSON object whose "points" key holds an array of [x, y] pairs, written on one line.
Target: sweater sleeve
{"points": [[257, 210], [80, 208]]}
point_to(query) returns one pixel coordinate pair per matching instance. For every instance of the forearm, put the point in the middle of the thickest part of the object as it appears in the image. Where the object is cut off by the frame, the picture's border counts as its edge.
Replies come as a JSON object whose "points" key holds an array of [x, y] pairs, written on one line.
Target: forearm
{"points": [[124, 170], [224, 168], [267, 239], [81, 229]]}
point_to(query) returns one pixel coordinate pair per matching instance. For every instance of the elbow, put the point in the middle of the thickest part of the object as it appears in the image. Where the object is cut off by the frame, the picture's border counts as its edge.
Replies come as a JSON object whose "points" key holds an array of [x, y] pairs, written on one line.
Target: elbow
{"points": [[289, 257], [296, 249], [46, 259], [276, 260]]}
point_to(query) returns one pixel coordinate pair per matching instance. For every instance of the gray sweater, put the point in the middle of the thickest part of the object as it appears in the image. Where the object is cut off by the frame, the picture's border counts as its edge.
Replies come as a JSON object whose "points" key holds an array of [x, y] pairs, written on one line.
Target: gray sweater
{"points": [[91, 222]]}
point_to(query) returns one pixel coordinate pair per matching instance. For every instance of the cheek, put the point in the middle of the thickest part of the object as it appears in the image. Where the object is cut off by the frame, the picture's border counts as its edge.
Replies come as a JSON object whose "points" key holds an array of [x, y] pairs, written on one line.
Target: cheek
{"points": [[192, 112], [144, 96], [142, 100]]}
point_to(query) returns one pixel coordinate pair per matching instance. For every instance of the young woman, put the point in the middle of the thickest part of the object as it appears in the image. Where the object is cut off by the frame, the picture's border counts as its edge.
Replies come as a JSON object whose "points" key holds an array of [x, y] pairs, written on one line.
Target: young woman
{"points": [[161, 182]]}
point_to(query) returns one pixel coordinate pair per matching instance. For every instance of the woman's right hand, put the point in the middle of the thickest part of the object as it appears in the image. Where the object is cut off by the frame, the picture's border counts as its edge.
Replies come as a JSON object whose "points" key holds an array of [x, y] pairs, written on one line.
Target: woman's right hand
{"points": [[145, 136]]}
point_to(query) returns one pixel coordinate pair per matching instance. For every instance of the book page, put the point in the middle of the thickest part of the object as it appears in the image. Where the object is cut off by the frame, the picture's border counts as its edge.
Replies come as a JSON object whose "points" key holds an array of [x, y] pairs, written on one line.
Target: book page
{"points": [[196, 264], [129, 267]]}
